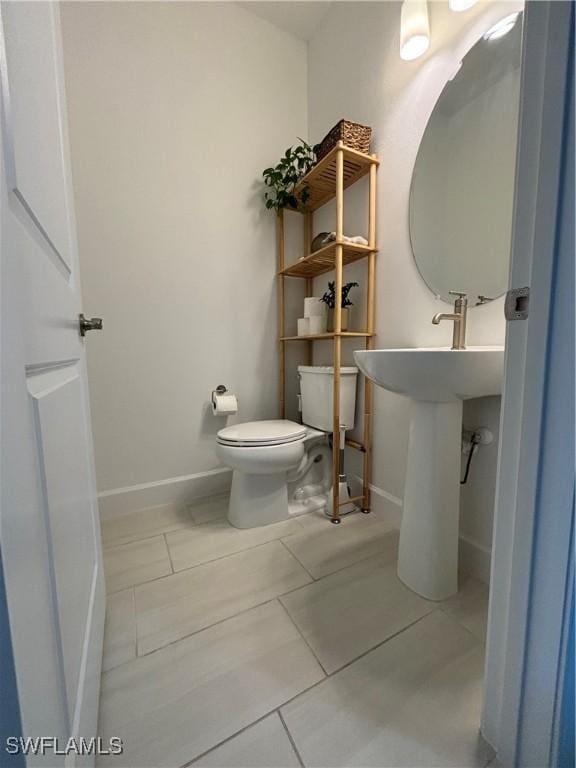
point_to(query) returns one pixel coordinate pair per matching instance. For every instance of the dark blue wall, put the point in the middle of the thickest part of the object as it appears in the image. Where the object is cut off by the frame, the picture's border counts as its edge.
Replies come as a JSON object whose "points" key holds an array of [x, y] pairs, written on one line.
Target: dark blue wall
{"points": [[566, 752], [9, 710]]}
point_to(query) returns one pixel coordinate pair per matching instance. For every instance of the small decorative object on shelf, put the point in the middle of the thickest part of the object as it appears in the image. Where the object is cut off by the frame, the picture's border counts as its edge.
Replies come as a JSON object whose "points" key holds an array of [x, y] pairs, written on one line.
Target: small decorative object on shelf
{"points": [[282, 179], [321, 239], [314, 306], [314, 321], [329, 299], [325, 238], [303, 326], [352, 135], [318, 324]]}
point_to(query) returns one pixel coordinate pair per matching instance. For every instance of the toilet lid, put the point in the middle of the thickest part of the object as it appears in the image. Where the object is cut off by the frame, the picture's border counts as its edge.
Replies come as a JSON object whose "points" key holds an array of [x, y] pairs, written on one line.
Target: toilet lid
{"points": [[273, 432]]}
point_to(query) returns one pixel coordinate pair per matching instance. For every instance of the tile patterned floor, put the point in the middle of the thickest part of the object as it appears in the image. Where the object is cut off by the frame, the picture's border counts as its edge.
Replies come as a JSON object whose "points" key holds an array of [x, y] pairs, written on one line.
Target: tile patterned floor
{"points": [[289, 645]]}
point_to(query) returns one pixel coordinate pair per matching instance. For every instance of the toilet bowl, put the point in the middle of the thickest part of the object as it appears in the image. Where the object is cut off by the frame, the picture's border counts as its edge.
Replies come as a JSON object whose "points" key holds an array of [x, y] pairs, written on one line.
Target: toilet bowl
{"points": [[268, 457]]}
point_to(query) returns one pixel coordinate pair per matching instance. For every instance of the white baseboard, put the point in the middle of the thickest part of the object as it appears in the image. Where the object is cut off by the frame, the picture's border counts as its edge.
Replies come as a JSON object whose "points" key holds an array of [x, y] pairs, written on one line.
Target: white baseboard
{"points": [[382, 502], [173, 490], [387, 504], [473, 557]]}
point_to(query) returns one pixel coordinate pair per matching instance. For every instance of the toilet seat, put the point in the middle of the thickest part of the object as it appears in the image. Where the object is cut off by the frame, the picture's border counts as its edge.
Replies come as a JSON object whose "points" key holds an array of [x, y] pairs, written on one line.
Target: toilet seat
{"points": [[255, 434]]}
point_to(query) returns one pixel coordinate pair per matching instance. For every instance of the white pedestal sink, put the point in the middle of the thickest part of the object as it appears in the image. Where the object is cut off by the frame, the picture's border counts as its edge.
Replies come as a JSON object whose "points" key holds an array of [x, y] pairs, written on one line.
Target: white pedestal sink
{"points": [[437, 381]]}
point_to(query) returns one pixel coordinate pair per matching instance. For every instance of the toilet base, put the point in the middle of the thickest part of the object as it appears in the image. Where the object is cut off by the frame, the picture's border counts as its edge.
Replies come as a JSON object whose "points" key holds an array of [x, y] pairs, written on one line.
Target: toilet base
{"points": [[257, 500], [311, 504]]}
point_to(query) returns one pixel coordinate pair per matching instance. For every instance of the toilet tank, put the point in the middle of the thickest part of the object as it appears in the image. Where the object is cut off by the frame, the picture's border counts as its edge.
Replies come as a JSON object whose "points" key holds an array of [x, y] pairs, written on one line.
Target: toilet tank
{"points": [[316, 389]]}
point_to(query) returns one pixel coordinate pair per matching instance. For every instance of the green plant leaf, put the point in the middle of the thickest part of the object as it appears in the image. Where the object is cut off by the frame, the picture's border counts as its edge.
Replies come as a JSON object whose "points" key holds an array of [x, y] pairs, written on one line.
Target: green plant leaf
{"points": [[282, 178]]}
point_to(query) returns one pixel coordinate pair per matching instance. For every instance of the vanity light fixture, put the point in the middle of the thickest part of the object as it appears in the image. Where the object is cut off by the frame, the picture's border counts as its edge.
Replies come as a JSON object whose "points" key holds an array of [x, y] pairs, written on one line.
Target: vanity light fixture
{"points": [[502, 27], [461, 5], [414, 29]]}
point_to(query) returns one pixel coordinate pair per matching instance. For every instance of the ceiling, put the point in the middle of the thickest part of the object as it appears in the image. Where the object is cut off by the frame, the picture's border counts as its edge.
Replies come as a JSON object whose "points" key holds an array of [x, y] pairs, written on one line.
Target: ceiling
{"points": [[300, 18]]}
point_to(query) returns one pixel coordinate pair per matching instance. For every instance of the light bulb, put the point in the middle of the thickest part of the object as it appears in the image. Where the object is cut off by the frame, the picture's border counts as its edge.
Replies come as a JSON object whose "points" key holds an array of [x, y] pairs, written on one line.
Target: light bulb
{"points": [[461, 5], [502, 27], [414, 29]]}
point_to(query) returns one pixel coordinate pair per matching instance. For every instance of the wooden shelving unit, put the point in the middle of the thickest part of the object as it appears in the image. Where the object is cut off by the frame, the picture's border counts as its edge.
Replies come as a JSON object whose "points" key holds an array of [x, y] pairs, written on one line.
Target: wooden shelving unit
{"points": [[341, 168]]}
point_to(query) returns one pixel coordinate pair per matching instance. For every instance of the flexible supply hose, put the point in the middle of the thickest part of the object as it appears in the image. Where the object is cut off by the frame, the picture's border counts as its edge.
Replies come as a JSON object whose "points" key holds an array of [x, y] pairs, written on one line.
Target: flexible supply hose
{"points": [[474, 441]]}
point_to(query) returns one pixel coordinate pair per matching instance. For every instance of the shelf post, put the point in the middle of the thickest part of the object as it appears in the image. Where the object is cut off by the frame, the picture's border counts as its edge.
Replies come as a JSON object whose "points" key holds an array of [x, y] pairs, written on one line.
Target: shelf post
{"points": [[338, 258], [370, 301], [307, 246], [281, 310]]}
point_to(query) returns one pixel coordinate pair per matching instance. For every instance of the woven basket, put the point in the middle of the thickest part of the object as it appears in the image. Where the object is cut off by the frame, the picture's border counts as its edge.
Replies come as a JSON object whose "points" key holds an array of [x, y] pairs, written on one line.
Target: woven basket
{"points": [[354, 136]]}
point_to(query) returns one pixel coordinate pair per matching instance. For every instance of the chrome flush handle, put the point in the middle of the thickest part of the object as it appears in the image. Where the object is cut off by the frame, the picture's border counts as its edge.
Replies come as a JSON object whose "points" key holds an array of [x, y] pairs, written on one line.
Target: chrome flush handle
{"points": [[92, 324]]}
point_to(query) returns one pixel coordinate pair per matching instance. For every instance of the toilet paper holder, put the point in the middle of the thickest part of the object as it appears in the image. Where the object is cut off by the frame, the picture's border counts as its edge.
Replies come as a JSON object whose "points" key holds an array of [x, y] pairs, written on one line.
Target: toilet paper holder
{"points": [[224, 403], [220, 390]]}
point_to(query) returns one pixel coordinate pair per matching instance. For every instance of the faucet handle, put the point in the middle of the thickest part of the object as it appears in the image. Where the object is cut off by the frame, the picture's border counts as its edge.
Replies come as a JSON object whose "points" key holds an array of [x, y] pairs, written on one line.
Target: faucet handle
{"points": [[483, 300], [461, 294]]}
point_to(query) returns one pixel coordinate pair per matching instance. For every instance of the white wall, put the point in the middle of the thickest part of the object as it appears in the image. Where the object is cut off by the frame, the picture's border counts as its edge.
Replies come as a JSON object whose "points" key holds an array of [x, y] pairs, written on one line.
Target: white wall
{"points": [[369, 83], [175, 109]]}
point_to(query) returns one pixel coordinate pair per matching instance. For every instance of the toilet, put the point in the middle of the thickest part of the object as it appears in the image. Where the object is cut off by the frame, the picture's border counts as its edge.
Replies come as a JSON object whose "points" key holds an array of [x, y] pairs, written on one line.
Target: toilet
{"points": [[274, 461]]}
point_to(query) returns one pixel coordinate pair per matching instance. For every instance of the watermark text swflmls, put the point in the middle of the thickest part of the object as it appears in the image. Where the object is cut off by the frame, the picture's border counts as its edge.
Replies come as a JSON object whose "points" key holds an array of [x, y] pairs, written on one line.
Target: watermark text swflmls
{"points": [[53, 745]]}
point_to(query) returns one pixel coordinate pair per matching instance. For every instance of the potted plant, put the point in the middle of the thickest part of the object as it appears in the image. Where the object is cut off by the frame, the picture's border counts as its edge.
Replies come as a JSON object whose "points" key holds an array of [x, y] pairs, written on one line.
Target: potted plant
{"points": [[282, 179], [329, 299]]}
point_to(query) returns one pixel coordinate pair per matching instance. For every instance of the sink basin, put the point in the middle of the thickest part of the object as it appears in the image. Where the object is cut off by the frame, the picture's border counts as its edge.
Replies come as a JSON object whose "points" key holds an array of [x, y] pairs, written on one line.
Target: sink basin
{"points": [[437, 381], [437, 375]]}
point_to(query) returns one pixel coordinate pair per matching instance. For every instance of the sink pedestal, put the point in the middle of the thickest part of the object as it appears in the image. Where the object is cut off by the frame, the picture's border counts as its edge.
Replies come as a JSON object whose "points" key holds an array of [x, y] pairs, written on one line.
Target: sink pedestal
{"points": [[428, 551], [437, 381]]}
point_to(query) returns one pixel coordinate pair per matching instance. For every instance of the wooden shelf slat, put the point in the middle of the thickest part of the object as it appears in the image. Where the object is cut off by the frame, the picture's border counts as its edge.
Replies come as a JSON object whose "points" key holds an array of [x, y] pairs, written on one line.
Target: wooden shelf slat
{"points": [[321, 180], [355, 444], [322, 261], [330, 335]]}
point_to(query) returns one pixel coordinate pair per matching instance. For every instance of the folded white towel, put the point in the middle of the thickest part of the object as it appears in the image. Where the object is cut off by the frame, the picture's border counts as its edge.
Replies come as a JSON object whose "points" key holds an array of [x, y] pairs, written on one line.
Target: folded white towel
{"points": [[357, 239]]}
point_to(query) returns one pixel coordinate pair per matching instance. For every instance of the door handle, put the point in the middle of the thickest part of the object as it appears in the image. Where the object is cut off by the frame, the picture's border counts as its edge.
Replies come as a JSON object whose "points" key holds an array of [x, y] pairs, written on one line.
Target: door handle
{"points": [[92, 324]]}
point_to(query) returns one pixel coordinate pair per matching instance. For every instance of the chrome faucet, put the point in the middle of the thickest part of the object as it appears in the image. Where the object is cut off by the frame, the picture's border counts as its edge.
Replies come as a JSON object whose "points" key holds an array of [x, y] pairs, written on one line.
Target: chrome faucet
{"points": [[459, 318]]}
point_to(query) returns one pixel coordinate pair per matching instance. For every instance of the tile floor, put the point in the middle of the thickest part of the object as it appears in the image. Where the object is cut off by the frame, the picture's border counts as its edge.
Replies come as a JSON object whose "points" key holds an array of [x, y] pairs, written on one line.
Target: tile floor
{"points": [[289, 645]]}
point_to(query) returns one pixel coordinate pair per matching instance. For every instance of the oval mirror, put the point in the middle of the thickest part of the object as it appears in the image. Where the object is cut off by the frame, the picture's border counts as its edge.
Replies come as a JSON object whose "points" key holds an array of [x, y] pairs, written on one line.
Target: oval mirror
{"points": [[463, 182]]}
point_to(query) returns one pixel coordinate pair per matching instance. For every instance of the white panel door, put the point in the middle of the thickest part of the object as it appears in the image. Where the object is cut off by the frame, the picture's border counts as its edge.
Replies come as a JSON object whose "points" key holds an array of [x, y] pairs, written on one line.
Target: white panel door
{"points": [[49, 531]]}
